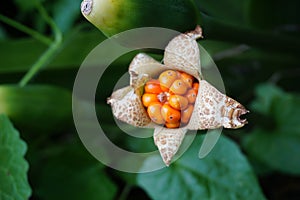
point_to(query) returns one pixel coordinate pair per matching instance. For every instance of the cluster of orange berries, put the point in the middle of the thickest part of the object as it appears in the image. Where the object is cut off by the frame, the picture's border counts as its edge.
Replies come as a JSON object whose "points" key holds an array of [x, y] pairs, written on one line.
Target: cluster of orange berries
{"points": [[170, 98]]}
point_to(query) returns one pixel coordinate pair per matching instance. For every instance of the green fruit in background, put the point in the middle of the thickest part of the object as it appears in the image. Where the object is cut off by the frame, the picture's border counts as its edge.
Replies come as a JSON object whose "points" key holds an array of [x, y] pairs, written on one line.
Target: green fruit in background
{"points": [[113, 17], [36, 108]]}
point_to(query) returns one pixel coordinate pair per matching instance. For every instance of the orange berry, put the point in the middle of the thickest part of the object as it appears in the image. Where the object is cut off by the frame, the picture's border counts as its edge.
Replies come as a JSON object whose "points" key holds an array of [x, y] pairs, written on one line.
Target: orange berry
{"points": [[188, 79], [154, 112], [186, 114], [178, 102], [191, 95], [172, 125], [166, 79], [178, 87], [169, 114], [148, 98], [153, 86], [196, 86]]}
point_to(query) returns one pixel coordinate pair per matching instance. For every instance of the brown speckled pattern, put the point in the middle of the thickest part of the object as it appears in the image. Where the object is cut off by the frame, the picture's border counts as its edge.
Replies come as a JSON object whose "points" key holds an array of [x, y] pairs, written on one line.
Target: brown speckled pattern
{"points": [[168, 142], [127, 107], [212, 109], [206, 114], [183, 53]]}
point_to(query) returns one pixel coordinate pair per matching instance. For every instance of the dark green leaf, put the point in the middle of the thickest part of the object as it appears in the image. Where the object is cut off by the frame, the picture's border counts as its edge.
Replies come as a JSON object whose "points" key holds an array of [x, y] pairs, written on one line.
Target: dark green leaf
{"points": [[74, 50], [223, 174], [234, 12], [278, 146], [13, 166], [277, 150], [36, 108], [265, 98], [70, 172], [283, 107], [287, 114]]}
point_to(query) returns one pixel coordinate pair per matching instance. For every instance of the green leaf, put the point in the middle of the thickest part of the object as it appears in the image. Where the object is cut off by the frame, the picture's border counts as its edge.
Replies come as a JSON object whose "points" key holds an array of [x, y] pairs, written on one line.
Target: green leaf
{"points": [[70, 172], [71, 56], [277, 150], [234, 12], [266, 94], [287, 113], [281, 106], [276, 146], [223, 174], [36, 108], [13, 166]]}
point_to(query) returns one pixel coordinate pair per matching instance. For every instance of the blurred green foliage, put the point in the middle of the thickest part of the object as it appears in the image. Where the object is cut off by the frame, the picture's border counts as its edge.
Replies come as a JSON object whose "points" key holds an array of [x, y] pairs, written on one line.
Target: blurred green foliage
{"points": [[278, 136], [223, 174], [13, 166], [256, 46]]}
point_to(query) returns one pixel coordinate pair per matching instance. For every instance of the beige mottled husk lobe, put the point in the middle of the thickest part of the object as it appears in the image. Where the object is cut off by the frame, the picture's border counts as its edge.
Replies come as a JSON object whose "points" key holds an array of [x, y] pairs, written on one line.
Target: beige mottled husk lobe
{"points": [[212, 109], [168, 141], [183, 54]]}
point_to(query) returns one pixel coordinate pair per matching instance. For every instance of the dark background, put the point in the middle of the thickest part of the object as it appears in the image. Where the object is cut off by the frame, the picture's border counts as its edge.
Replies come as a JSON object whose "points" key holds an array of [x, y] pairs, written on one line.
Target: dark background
{"points": [[256, 46]]}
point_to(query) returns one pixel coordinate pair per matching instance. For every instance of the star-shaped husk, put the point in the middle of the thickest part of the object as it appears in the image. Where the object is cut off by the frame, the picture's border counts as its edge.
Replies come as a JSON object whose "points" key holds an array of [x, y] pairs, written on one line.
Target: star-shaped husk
{"points": [[212, 109]]}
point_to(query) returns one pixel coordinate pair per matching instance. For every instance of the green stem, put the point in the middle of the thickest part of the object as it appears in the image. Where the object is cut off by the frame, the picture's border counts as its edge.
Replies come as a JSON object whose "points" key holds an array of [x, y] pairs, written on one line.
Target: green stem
{"points": [[125, 192], [218, 30], [46, 57], [25, 29], [42, 61]]}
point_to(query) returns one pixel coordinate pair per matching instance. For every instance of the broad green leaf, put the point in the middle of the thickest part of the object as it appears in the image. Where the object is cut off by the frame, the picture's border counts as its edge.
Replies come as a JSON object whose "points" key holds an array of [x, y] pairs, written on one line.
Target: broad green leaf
{"points": [[286, 111], [266, 94], [73, 52], [234, 12], [223, 174], [36, 108], [13, 167], [278, 145], [70, 172], [281, 106], [279, 151]]}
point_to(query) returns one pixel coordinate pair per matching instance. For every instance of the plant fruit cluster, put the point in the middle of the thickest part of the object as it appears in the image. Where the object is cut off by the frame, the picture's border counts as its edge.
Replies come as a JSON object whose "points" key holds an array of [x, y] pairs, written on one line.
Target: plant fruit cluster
{"points": [[170, 99]]}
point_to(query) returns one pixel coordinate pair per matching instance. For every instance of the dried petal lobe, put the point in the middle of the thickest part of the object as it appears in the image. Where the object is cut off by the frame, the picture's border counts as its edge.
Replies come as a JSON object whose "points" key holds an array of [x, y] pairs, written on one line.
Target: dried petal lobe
{"points": [[127, 107], [214, 109], [168, 142], [142, 67], [182, 53]]}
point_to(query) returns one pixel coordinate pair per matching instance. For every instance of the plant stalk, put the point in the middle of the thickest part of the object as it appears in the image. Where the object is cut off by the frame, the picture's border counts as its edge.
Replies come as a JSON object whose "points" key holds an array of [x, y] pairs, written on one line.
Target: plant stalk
{"points": [[217, 30], [25, 29], [46, 57]]}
